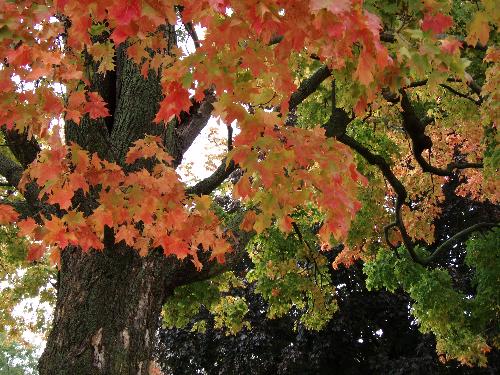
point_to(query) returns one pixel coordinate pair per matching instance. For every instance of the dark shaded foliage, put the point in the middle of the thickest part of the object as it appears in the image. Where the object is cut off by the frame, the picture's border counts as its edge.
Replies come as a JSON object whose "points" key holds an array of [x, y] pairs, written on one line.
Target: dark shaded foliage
{"points": [[372, 333]]}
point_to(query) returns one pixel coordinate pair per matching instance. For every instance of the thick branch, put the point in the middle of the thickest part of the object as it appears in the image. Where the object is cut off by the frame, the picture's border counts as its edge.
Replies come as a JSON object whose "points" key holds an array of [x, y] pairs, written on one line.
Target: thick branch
{"points": [[401, 193], [10, 170], [13, 173], [23, 148], [193, 124], [415, 129], [308, 86], [378, 161], [213, 181]]}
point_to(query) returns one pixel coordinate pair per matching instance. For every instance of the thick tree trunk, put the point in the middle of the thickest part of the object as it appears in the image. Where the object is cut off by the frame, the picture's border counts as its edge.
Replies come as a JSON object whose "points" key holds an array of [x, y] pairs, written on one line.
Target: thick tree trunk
{"points": [[107, 312]]}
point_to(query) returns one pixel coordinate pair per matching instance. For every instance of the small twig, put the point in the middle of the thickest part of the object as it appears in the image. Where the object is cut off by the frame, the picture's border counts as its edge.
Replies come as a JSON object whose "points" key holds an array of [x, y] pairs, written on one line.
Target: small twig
{"points": [[458, 93], [229, 137]]}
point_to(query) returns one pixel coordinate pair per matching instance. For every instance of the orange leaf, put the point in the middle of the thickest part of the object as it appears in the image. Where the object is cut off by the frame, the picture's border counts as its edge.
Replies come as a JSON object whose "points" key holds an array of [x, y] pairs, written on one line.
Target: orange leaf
{"points": [[96, 106], [26, 227], [248, 221], [7, 214]]}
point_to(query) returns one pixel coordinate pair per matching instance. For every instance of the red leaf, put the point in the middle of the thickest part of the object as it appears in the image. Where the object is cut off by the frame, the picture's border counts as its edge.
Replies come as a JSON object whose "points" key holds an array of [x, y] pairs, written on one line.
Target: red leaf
{"points": [[450, 46], [7, 214], [124, 12], [437, 23], [175, 101], [26, 227], [121, 33], [35, 252], [96, 106]]}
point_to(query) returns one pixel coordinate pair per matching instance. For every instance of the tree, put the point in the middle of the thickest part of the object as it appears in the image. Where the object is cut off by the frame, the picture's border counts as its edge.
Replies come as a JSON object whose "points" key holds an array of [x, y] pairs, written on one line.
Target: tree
{"points": [[99, 105]]}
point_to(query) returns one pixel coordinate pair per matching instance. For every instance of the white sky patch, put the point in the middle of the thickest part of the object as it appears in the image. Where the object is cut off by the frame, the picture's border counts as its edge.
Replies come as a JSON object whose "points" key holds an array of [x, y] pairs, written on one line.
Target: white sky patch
{"points": [[206, 153], [27, 311]]}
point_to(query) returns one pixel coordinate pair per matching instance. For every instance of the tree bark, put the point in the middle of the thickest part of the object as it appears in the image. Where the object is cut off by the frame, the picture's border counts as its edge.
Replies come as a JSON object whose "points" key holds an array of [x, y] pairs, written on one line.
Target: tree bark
{"points": [[107, 312]]}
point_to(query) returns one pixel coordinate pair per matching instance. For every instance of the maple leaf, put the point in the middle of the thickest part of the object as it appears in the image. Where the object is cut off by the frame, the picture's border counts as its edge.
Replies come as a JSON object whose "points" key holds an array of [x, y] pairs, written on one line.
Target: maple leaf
{"points": [[124, 12], [27, 226], [20, 56], [55, 257], [52, 104], [100, 217], [126, 233], [175, 101], [437, 23], [364, 70], [450, 46], [96, 106], [148, 147], [334, 6], [121, 33], [7, 214], [79, 35], [479, 30], [35, 252], [248, 221], [61, 196], [103, 53]]}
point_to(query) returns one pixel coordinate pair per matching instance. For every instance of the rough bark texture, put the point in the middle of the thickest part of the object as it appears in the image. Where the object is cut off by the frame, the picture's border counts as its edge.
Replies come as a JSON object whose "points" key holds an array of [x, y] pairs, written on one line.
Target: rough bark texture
{"points": [[107, 312]]}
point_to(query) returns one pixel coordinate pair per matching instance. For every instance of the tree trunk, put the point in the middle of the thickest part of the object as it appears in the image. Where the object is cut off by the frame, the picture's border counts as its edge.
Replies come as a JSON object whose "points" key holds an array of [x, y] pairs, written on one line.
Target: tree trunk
{"points": [[107, 312]]}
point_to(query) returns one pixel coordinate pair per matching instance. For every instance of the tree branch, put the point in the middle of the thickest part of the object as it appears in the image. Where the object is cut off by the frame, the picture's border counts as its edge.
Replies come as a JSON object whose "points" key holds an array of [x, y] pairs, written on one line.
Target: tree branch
{"points": [[192, 33], [415, 129], [10, 170], [308, 86], [191, 127], [458, 93], [23, 148], [213, 181], [454, 239]]}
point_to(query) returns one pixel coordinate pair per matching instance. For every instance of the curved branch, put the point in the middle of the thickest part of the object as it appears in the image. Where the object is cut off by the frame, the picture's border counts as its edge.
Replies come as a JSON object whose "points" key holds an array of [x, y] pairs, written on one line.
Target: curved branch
{"points": [[213, 181], [415, 129], [308, 86], [457, 237], [377, 160]]}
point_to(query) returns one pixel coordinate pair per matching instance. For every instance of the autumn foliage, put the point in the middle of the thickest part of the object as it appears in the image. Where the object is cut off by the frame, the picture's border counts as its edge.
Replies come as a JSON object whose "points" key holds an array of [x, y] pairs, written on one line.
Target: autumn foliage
{"points": [[365, 187]]}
